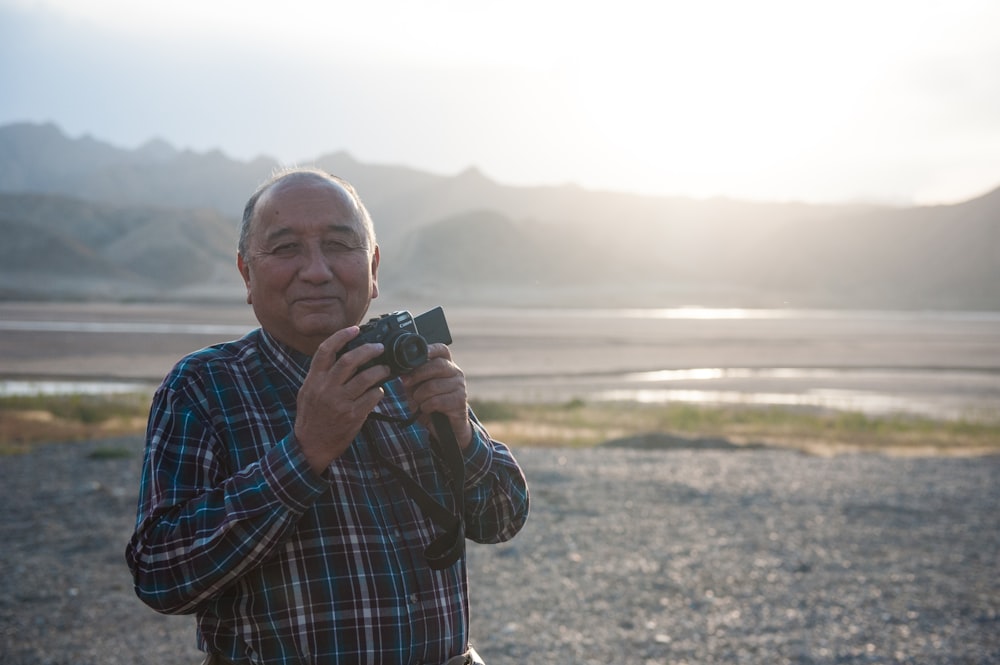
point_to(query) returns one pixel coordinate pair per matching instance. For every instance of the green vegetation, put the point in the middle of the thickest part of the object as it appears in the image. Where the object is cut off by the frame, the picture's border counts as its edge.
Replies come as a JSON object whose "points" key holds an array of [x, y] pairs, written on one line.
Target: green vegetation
{"points": [[86, 409], [30, 420], [577, 423], [109, 452], [26, 421]]}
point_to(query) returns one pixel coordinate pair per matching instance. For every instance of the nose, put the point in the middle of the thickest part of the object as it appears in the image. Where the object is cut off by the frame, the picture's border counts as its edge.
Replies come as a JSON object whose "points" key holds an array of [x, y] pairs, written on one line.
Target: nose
{"points": [[315, 267]]}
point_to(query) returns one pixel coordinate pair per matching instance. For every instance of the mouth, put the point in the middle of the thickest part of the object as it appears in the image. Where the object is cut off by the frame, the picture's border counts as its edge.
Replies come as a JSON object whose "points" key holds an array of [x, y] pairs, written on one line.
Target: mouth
{"points": [[316, 301]]}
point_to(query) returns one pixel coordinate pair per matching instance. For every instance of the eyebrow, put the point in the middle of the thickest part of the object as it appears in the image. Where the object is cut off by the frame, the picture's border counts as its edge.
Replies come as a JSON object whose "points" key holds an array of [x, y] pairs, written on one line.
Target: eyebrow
{"points": [[348, 230]]}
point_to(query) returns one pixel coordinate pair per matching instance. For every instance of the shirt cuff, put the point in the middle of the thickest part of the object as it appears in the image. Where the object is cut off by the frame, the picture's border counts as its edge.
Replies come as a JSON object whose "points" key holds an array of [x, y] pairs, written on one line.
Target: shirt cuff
{"points": [[478, 456], [290, 477]]}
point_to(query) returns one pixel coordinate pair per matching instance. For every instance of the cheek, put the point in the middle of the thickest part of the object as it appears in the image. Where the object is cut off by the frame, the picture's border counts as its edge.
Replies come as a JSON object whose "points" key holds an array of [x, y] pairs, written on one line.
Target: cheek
{"points": [[356, 272], [270, 276]]}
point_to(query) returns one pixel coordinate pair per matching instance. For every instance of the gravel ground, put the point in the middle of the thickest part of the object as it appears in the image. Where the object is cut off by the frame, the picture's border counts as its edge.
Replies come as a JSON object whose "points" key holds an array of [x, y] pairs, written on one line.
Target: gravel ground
{"points": [[629, 556]]}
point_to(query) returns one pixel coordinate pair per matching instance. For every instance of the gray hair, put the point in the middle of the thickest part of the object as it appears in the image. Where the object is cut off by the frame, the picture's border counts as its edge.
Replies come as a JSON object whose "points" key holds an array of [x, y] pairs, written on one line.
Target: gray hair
{"points": [[281, 175]]}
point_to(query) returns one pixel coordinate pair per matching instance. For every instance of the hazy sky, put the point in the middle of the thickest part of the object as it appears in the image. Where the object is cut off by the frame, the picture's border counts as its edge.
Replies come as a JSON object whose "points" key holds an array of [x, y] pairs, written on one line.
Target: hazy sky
{"points": [[874, 100]]}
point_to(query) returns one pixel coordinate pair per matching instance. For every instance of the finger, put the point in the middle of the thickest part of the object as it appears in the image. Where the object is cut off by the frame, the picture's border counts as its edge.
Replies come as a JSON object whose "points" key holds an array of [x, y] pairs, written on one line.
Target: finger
{"points": [[438, 350], [440, 367], [437, 384], [329, 349], [442, 395], [453, 404], [366, 380], [331, 353], [352, 361]]}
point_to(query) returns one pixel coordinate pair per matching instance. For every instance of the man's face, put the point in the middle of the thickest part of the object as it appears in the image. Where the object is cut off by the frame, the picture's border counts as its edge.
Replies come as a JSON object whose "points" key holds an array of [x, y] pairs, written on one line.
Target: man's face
{"points": [[310, 269]]}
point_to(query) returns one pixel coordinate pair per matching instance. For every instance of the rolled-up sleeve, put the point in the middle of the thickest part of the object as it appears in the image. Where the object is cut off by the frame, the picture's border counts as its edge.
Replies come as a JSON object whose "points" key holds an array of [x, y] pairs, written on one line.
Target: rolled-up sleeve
{"points": [[496, 492], [200, 524]]}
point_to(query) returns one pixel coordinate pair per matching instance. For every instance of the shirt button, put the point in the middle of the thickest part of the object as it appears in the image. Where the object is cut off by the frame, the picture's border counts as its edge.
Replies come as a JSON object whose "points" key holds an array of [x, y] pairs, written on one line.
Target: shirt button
{"points": [[413, 599]]}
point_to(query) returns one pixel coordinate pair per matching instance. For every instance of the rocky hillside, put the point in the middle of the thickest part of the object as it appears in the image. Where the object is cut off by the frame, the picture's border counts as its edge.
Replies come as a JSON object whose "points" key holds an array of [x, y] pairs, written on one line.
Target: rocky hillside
{"points": [[84, 219]]}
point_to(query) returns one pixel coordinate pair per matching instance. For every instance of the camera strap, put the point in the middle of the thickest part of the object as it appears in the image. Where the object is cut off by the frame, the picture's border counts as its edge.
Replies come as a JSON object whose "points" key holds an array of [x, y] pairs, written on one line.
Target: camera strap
{"points": [[448, 547]]}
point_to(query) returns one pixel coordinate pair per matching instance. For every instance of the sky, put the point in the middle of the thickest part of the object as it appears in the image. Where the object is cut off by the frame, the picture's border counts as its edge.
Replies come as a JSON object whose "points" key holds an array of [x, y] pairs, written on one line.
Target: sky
{"points": [[887, 101]]}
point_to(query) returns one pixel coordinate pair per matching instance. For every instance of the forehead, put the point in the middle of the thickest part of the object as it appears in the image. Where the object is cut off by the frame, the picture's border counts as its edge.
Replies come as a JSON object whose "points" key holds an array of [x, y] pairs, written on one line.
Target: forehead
{"points": [[308, 205]]}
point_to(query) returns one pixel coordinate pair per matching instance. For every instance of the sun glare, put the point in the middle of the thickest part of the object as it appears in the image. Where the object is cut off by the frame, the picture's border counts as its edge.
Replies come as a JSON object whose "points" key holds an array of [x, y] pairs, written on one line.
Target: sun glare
{"points": [[713, 98], [724, 105]]}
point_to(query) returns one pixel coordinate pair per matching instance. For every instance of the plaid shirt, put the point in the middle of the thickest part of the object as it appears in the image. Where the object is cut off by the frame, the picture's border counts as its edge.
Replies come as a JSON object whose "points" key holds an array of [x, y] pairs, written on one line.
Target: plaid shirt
{"points": [[282, 565]]}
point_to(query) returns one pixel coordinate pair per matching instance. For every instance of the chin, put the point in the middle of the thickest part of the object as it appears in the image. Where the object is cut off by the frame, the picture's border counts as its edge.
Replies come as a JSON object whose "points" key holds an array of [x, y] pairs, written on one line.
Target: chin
{"points": [[317, 325]]}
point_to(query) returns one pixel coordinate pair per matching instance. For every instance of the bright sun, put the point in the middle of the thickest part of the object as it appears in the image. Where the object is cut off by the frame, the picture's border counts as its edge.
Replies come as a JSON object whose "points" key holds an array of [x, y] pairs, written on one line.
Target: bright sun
{"points": [[707, 101], [838, 100]]}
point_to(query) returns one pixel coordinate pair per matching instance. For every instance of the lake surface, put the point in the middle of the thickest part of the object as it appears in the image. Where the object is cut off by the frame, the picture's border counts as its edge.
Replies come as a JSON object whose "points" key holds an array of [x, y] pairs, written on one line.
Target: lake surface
{"points": [[945, 364]]}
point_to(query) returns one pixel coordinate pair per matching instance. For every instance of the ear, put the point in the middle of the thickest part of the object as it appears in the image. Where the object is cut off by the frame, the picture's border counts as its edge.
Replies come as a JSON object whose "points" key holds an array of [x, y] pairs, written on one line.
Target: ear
{"points": [[244, 269], [375, 260]]}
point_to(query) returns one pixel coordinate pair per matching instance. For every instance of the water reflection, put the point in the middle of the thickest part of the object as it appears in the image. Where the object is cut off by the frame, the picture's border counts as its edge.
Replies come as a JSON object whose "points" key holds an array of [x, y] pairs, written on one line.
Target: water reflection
{"points": [[944, 393], [810, 373], [914, 361], [19, 388], [139, 327], [694, 313], [846, 400]]}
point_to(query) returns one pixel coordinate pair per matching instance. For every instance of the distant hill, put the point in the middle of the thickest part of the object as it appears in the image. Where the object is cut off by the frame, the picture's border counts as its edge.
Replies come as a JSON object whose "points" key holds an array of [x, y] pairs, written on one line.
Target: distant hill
{"points": [[58, 247], [84, 219]]}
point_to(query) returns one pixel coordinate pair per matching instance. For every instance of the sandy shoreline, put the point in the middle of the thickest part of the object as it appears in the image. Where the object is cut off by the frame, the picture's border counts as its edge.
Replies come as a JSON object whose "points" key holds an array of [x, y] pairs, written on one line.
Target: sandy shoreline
{"points": [[554, 355]]}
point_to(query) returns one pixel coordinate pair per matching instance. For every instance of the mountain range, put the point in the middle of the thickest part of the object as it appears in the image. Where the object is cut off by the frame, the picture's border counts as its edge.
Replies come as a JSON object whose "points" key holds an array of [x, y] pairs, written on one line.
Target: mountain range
{"points": [[83, 219]]}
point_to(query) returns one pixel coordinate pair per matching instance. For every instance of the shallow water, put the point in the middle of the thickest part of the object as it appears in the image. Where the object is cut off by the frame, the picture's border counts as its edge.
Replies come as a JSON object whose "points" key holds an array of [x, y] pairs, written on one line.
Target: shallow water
{"points": [[944, 364]]}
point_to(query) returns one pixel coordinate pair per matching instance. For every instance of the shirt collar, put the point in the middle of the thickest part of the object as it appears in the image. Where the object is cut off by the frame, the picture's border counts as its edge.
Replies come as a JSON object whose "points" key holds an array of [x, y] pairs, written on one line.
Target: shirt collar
{"points": [[291, 364]]}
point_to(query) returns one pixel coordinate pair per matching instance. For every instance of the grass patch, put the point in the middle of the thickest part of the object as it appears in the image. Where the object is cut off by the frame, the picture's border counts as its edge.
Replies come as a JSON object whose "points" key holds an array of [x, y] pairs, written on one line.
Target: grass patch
{"points": [[579, 424], [26, 421], [107, 453]]}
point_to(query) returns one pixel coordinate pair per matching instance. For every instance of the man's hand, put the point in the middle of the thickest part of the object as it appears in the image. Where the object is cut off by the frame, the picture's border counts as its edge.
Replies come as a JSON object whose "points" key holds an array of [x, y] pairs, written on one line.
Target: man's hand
{"points": [[335, 399], [438, 386]]}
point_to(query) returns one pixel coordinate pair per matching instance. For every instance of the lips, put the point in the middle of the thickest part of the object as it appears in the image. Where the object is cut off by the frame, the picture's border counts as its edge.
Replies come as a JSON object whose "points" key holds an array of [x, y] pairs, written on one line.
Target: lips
{"points": [[315, 301]]}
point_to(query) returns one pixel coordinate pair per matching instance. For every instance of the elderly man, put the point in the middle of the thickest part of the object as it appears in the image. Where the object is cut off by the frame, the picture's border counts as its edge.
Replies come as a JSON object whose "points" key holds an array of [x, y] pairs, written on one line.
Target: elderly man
{"points": [[271, 503]]}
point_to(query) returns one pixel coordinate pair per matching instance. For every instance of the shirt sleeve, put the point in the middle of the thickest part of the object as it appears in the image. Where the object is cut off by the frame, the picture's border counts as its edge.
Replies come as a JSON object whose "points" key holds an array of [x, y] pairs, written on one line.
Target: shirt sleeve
{"points": [[201, 525], [496, 492]]}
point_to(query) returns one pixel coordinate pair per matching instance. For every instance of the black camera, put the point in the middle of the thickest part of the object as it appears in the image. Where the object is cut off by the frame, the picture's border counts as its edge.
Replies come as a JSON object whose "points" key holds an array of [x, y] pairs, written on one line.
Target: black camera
{"points": [[405, 339]]}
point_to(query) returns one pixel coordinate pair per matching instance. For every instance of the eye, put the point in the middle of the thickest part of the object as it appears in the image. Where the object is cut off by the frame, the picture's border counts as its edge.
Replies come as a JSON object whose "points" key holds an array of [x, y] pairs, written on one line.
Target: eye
{"points": [[337, 247], [285, 249]]}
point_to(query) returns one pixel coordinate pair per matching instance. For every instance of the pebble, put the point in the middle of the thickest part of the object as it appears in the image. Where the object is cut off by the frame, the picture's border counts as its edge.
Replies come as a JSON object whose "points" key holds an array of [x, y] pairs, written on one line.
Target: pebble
{"points": [[629, 556]]}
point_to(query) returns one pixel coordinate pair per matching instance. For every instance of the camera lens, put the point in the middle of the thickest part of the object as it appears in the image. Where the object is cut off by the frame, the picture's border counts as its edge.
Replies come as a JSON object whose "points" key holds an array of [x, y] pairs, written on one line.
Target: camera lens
{"points": [[409, 351]]}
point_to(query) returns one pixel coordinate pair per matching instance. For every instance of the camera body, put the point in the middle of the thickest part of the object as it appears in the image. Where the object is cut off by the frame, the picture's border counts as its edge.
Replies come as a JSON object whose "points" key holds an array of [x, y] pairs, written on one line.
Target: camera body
{"points": [[400, 334]]}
